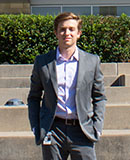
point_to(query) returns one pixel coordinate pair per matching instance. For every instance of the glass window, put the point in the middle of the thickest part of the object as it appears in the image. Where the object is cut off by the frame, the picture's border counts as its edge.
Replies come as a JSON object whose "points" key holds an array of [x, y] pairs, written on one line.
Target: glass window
{"points": [[123, 9], [96, 10], [110, 10], [105, 10], [46, 10], [80, 10]]}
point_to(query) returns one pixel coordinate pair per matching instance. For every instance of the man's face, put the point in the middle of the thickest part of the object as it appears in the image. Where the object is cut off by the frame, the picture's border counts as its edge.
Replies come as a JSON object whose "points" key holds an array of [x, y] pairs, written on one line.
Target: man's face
{"points": [[67, 33]]}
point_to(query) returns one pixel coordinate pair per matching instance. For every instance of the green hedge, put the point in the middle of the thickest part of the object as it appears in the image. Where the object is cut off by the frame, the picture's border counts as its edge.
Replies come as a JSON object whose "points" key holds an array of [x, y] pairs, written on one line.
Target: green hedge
{"points": [[109, 37], [22, 37]]}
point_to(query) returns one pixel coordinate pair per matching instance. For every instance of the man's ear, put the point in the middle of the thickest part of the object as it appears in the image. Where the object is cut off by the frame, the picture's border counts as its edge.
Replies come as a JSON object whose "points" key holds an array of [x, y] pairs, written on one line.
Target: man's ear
{"points": [[79, 34], [55, 33]]}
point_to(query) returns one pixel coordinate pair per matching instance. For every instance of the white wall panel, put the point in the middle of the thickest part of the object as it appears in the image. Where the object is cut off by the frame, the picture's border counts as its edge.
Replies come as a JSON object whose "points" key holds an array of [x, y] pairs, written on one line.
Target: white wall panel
{"points": [[81, 2]]}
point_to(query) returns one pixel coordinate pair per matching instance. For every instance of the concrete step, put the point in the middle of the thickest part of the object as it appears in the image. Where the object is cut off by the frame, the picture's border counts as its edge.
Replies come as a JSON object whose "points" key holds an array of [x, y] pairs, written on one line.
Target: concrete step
{"points": [[123, 68], [115, 68], [12, 76], [120, 80], [127, 80], [19, 146], [108, 80], [115, 95], [15, 70], [10, 93], [114, 145], [118, 95], [117, 117], [16, 118], [24, 82], [24, 70], [109, 69], [15, 82], [116, 81]]}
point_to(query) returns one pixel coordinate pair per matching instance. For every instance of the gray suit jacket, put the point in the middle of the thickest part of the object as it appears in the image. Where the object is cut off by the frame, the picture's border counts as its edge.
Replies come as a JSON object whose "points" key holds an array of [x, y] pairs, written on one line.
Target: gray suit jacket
{"points": [[90, 97]]}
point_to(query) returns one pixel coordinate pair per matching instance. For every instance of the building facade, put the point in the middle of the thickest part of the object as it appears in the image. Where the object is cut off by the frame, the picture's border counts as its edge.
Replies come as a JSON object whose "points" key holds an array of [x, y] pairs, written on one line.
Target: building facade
{"points": [[15, 6], [82, 7]]}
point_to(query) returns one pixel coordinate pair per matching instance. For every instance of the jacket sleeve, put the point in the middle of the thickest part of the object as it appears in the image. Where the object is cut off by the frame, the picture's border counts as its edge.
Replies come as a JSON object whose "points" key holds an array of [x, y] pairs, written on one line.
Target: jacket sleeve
{"points": [[98, 98], [34, 99]]}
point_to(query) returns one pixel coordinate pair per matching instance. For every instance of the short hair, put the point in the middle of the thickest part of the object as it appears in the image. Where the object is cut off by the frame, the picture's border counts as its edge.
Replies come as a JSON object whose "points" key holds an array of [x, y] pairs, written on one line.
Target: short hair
{"points": [[66, 16]]}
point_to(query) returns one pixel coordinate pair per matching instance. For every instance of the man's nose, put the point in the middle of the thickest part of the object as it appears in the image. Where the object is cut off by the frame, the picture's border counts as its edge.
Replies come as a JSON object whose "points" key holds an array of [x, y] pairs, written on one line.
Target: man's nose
{"points": [[67, 31]]}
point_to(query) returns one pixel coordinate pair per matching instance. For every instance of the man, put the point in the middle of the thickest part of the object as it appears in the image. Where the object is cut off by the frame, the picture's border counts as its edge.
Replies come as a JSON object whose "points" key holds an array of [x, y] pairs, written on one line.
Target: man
{"points": [[71, 115]]}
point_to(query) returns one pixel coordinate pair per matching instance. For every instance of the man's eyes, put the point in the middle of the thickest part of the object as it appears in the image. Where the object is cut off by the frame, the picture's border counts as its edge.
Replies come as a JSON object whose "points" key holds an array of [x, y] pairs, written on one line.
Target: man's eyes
{"points": [[71, 29]]}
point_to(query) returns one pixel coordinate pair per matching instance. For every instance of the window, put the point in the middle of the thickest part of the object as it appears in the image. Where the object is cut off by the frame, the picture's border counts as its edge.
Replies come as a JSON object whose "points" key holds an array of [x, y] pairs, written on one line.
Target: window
{"points": [[80, 10], [46, 10], [123, 9], [105, 10], [111, 10]]}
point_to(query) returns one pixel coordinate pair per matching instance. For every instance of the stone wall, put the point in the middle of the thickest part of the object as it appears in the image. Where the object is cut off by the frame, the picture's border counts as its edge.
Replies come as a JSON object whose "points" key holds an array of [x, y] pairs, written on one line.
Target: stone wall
{"points": [[15, 7]]}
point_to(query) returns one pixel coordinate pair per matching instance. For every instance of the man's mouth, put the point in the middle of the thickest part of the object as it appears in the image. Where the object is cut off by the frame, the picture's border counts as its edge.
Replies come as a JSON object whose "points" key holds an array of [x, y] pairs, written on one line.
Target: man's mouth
{"points": [[67, 38]]}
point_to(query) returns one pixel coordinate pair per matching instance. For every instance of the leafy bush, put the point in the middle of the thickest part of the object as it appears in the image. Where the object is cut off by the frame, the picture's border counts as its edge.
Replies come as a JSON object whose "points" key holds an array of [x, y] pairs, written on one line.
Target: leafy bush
{"points": [[22, 37], [109, 37]]}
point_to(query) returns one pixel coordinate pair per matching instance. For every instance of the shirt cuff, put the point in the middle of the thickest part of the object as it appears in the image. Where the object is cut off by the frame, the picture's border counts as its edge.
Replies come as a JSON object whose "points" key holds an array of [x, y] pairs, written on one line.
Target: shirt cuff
{"points": [[33, 129], [99, 133]]}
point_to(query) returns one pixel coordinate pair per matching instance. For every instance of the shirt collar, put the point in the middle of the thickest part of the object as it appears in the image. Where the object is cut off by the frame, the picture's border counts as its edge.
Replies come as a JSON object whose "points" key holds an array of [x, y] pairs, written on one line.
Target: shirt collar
{"points": [[75, 55]]}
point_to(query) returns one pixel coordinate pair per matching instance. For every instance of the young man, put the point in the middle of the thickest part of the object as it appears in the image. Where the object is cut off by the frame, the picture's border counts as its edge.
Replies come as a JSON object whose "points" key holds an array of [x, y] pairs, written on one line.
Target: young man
{"points": [[70, 118]]}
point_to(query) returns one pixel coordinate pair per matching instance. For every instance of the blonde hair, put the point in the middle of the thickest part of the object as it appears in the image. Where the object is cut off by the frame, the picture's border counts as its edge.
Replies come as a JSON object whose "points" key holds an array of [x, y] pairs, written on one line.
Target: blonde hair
{"points": [[66, 16]]}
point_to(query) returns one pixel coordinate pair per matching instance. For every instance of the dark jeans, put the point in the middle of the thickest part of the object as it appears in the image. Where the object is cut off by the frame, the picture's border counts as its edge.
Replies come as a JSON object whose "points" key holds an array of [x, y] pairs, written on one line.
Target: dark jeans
{"points": [[68, 140]]}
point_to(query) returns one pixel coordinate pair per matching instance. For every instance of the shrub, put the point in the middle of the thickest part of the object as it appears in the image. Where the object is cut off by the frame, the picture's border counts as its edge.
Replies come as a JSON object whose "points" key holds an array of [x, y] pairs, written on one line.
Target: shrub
{"points": [[22, 37], [109, 37]]}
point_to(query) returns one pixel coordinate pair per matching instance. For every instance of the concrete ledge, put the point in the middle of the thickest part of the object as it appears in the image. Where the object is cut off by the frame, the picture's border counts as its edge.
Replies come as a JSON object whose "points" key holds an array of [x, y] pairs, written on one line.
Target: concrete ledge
{"points": [[15, 82], [109, 68], [108, 80], [16, 118], [115, 132], [123, 68], [15, 70], [118, 95], [26, 70], [114, 145], [9, 93], [17, 134], [115, 80], [24, 82], [127, 80], [117, 117], [18, 146], [115, 95]]}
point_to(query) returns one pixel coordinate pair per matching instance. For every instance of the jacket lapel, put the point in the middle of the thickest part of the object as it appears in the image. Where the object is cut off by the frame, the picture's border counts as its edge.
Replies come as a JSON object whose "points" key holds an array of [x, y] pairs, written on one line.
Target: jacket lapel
{"points": [[82, 69], [52, 70]]}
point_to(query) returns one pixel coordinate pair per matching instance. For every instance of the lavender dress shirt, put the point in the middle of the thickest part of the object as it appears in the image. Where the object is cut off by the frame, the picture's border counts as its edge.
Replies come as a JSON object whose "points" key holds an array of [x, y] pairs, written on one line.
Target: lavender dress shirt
{"points": [[67, 78]]}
